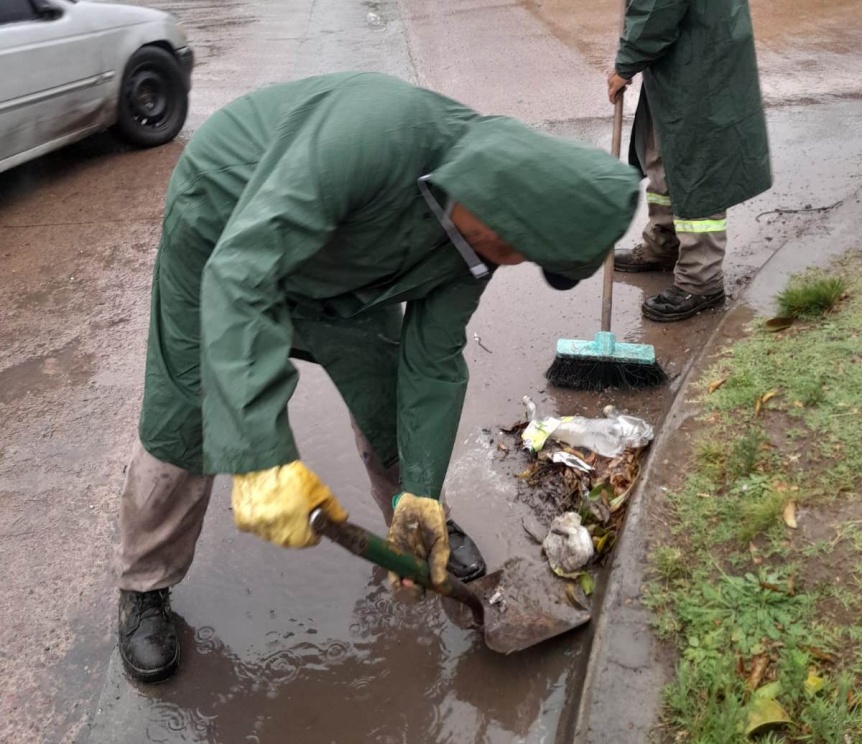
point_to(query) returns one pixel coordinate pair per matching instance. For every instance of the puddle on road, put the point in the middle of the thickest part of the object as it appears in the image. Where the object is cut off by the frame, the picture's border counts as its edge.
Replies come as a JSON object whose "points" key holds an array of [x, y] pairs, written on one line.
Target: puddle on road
{"points": [[401, 674], [64, 366], [310, 647]]}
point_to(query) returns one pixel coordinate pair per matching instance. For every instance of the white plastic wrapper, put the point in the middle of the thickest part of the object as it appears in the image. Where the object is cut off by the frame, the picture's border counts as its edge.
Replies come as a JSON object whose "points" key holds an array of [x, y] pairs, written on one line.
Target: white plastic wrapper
{"points": [[572, 461], [568, 545], [608, 437]]}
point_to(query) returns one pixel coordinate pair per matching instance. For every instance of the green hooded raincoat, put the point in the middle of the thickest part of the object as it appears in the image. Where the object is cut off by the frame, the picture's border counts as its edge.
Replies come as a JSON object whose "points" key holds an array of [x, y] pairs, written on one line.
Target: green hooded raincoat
{"points": [[700, 78], [294, 226]]}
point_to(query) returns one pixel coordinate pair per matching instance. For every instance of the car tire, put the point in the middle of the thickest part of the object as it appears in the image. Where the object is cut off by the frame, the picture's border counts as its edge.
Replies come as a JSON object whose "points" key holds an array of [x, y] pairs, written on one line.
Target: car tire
{"points": [[153, 100]]}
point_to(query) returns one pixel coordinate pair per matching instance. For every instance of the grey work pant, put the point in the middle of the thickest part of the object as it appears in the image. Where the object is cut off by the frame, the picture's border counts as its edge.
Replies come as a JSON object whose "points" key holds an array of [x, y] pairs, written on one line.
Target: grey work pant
{"points": [[698, 246], [162, 509]]}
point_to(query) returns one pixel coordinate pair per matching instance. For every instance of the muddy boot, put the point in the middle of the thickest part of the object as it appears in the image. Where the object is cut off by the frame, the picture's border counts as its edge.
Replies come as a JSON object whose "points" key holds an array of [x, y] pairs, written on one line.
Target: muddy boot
{"points": [[465, 560], [147, 635], [677, 304], [636, 260]]}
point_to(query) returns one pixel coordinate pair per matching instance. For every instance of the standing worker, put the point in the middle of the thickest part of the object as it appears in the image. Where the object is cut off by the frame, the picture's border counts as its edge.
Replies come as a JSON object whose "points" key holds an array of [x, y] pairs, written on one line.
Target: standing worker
{"points": [[298, 221], [699, 137]]}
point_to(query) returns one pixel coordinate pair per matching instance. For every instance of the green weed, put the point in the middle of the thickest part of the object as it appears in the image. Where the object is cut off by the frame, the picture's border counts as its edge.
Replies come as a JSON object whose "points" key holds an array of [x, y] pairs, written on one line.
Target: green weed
{"points": [[810, 296], [760, 509], [669, 562], [711, 458], [733, 588], [745, 454]]}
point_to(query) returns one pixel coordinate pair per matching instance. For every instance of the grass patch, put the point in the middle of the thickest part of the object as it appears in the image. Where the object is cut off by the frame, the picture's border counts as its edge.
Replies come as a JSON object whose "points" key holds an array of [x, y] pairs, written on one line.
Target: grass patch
{"points": [[757, 608], [811, 295], [761, 507]]}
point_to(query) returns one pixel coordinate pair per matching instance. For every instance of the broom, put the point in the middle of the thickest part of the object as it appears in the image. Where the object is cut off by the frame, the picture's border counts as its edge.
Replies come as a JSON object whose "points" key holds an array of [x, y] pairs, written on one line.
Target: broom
{"points": [[604, 363]]}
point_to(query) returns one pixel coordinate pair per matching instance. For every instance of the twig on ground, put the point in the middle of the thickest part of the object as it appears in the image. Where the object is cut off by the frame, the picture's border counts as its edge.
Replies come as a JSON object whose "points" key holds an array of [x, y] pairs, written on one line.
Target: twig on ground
{"points": [[807, 208], [478, 340]]}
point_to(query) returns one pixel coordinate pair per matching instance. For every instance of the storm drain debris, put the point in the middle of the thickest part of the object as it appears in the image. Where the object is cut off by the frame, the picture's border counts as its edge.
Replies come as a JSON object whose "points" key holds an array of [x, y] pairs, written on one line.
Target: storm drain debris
{"points": [[498, 600], [579, 475], [568, 546]]}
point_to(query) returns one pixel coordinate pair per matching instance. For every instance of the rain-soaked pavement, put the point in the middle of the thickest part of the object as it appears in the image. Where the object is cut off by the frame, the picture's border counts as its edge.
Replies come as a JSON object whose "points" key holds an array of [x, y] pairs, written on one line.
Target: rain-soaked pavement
{"points": [[309, 647]]}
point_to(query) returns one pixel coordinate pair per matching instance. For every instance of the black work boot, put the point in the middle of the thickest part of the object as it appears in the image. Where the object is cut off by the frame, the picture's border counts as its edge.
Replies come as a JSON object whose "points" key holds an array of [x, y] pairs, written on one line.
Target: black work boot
{"points": [[465, 560], [147, 635], [636, 260], [677, 304]]}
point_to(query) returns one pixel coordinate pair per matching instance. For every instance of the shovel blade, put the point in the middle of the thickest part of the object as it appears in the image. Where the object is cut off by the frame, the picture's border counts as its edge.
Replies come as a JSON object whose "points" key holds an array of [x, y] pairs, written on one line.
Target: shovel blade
{"points": [[525, 604]]}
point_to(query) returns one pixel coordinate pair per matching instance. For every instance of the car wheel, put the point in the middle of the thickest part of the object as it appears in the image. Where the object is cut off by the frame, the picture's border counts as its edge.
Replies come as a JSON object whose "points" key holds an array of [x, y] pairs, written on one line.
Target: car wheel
{"points": [[153, 98]]}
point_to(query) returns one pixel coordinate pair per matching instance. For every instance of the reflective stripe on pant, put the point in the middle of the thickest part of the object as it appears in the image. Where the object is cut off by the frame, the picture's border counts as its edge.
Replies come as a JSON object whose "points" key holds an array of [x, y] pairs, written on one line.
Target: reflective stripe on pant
{"points": [[701, 253], [697, 245], [162, 510]]}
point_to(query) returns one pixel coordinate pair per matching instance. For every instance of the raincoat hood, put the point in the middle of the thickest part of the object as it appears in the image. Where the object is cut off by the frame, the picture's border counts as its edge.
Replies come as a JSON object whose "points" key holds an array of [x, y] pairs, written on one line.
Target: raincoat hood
{"points": [[560, 203]]}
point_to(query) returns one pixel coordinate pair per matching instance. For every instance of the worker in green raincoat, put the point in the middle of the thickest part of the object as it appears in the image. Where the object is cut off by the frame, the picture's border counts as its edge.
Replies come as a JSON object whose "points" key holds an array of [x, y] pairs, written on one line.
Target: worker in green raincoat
{"points": [[699, 137], [298, 222]]}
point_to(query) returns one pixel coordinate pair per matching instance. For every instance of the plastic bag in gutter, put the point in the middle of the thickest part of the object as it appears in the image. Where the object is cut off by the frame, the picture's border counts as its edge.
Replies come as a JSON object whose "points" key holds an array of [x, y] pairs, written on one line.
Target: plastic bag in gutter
{"points": [[608, 437]]}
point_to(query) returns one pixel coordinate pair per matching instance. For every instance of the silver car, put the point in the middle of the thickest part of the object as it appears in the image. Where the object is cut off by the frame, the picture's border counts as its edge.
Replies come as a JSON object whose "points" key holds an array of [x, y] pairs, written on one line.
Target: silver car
{"points": [[69, 68]]}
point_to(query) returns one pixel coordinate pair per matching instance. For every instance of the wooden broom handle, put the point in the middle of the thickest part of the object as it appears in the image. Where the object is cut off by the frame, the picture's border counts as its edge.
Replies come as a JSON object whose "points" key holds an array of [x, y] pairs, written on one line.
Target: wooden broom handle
{"points": [[616, 147], [608, 287]]}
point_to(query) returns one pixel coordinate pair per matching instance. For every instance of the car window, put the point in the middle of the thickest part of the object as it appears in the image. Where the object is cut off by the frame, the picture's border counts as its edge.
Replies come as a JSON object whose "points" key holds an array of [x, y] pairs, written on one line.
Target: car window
{"points": [[15, 11]]}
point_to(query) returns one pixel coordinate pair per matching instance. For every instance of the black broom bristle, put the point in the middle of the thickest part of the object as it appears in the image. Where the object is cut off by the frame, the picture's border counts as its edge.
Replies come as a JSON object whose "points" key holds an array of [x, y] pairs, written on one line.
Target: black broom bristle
{"points": [[599, 374]]}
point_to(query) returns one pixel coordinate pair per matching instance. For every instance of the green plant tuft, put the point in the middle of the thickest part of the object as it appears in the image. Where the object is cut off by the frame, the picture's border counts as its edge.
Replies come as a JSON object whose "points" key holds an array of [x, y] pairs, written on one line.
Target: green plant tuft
{"points": [[811, 296]]}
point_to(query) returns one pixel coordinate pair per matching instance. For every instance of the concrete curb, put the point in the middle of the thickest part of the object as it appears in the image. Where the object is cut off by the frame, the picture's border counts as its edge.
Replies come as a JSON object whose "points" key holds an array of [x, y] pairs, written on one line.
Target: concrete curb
{"points": [[621, 693]]}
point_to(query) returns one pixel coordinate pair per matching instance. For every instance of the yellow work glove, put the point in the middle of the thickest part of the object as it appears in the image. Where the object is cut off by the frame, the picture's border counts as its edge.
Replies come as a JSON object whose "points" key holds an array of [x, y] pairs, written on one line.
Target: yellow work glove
{"points": [[419, 527], [275, 504]]}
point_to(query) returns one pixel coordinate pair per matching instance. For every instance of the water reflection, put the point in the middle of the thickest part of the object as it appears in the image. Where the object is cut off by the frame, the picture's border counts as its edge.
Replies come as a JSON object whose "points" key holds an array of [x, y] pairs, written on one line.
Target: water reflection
{"points": [[404, 674]]}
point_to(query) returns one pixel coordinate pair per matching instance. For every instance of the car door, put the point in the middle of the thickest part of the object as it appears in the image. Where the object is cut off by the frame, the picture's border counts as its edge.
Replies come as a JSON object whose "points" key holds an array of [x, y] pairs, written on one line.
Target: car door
{"points": [[50, 86]]}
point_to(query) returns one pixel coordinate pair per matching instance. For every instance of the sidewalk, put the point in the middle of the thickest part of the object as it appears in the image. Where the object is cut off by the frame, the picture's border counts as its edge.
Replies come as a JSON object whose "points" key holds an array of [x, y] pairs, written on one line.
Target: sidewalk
{"points": [[628, 667]]}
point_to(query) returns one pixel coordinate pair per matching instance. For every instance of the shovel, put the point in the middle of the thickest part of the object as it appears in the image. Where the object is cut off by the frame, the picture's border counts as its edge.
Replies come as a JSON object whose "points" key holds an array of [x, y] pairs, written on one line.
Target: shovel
{"points": [[510, 606]]}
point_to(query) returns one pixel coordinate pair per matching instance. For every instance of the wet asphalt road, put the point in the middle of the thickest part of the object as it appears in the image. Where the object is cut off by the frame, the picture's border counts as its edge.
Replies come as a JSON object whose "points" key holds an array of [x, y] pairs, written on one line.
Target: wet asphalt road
{"points": [[308, 647]]}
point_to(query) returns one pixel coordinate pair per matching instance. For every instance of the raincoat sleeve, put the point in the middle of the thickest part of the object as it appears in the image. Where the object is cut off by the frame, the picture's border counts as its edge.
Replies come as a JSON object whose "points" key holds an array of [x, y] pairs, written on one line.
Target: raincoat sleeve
{"points": [[651, 26], [287, 213], [432, 382]]}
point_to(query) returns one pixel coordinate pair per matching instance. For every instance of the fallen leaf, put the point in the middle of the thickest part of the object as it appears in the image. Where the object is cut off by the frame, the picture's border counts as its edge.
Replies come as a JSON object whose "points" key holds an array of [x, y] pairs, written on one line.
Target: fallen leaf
{"points": [[758, 404], [774, 325], [821, 655], [575, 595], [716, 384], [789, 515], [758, 669], [605, 542], [588, 583], [516, 428], [529, 472], [769, 691], [766, 397], [603, 491], [764, 713], [755, 558], [813, 683]]}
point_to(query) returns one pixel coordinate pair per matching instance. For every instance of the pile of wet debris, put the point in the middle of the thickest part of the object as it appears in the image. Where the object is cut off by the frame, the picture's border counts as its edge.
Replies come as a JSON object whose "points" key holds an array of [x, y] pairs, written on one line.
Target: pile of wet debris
{"points": [[579, 475]]}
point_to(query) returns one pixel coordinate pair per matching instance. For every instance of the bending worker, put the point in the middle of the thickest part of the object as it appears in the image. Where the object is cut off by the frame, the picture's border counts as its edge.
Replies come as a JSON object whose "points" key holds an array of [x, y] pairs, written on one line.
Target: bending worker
{"points": [[298, 221], [699, 137]]}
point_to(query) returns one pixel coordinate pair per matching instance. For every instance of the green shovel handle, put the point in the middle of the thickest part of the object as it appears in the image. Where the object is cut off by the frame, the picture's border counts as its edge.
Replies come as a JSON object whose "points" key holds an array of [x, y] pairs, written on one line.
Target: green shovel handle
{"points": [[381, 552]]}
